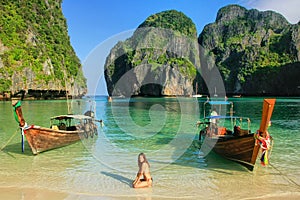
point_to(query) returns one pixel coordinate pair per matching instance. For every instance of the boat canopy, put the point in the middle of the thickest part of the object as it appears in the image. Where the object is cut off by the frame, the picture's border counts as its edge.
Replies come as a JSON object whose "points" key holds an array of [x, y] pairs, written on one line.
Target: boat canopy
{"points": [[219, 102], [218, 105], [224, 117], [61, 117]]}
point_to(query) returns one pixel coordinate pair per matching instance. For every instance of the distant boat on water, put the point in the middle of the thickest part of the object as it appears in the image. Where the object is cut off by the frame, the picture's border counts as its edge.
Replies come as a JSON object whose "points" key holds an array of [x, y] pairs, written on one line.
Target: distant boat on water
{"points": [[196, 95], [215, 94]]}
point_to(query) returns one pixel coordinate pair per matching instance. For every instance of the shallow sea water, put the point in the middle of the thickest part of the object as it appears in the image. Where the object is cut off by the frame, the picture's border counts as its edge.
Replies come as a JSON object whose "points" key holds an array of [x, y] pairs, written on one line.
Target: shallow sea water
{"points": [[104, 166]]}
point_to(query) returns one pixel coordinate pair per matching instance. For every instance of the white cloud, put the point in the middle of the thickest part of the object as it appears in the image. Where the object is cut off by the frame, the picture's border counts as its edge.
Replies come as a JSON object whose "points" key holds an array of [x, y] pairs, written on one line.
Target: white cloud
{"points": [[288, 8]]}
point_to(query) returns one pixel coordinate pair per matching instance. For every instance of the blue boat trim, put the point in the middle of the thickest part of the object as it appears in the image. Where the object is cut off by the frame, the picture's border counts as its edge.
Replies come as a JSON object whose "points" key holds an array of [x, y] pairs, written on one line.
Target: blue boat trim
{"points": [[219, 102], [224, 117]]}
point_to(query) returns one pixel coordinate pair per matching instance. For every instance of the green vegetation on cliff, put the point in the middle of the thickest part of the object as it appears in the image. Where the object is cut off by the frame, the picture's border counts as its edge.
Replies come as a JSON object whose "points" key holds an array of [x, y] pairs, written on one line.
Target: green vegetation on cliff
{"points": [[244, 42], [172, 19], [35, 50]]}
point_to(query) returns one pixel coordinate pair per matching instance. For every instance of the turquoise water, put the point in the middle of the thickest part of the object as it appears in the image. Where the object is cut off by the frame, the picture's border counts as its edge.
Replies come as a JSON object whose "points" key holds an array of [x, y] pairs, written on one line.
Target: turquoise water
{"points": [[163, 128]]}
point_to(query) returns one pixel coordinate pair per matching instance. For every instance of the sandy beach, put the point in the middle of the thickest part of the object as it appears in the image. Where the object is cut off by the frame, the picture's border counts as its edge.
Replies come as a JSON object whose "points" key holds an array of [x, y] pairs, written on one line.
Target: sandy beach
{"points": [[13, 193]]}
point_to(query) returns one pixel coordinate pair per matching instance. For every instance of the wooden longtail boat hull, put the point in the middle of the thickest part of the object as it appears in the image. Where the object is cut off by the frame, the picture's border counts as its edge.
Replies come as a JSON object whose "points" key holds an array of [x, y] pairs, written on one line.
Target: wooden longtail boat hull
{"points": [[240, 149], [62, 133], [42, 139]]}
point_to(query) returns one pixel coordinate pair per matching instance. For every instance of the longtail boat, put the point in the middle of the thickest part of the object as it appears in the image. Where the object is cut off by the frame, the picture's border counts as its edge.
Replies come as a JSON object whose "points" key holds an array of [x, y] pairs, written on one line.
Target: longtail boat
{"points": [[64, 130], [229, 137]]}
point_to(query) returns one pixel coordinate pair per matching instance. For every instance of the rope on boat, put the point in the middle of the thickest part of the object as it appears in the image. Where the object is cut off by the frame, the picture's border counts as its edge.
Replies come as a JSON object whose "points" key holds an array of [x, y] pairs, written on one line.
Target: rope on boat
{"points": [[284, 175], [9, 140]]}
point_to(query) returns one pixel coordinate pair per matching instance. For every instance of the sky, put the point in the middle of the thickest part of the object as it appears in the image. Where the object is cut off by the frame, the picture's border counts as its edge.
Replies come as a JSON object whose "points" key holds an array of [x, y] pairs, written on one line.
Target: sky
{"points": [[95, 26]]}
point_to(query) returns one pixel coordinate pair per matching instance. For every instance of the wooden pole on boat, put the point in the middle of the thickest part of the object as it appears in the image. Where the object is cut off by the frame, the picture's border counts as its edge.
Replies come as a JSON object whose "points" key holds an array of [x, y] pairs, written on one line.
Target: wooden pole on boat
{"points": [[267, 111], [16, 103], [268, 107]]}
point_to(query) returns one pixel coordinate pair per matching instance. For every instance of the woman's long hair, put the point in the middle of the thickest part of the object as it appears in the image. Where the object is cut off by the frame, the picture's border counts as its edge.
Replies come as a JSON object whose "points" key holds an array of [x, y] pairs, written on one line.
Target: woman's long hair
{"points": [[145, 160]]}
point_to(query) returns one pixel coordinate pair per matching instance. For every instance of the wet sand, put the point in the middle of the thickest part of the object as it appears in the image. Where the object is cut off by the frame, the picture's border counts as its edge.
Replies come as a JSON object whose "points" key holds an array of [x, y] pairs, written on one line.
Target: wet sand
{"points": [[13, 193]]}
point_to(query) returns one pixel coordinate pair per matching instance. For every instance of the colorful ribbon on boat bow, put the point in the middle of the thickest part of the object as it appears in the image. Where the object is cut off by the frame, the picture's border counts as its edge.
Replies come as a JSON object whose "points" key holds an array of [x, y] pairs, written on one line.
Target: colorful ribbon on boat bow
{"points": [[265, 143]]}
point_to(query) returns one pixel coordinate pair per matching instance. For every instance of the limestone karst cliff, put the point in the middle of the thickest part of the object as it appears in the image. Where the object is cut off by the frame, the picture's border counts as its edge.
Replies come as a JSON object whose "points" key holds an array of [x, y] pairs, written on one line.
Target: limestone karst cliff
{"points": [[256, 53], [35, 49], [158, 60]]}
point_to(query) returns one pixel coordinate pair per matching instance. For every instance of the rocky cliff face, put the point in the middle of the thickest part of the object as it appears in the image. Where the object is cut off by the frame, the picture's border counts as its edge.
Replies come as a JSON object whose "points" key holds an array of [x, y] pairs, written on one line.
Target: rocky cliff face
{"points": [[159, 59], [245, 43], [35, 50]]}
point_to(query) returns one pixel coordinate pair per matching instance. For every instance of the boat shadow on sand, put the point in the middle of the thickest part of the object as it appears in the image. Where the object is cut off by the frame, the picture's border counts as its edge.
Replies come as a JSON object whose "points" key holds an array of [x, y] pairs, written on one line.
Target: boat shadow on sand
{"points": [[17, 149], [211, 160], [193, 157]]}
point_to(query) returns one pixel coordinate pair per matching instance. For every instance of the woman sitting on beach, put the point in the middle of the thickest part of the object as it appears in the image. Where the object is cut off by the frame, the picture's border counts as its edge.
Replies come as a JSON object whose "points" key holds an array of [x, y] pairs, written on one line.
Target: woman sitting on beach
{"points": [[144, 170]]}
